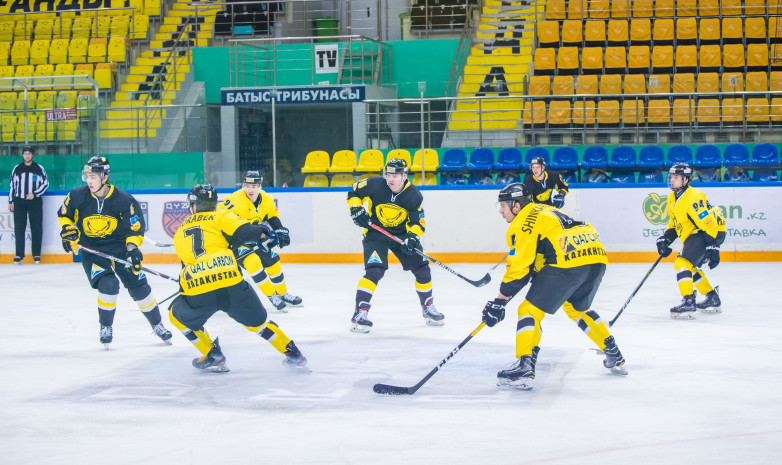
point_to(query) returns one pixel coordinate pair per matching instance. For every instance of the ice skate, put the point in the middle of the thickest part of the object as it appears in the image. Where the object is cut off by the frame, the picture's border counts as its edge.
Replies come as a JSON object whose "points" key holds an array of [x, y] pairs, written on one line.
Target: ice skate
{"points": [[521, 374], [292, 300], [17, 260], [361, 323], [213, 361], [37, 260], [431, 315], [614, 360], [294, 358], [106, 336], [162, 333], [712, 302], [685, 310], [278, 303]]}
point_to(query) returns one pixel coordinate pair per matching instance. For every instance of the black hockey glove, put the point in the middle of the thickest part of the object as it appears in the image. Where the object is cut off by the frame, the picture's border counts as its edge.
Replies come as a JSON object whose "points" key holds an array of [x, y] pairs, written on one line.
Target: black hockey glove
{"points": [[713, 256], [360, 216], [70, 238], [663, 246], [494, 312], [411, 243], [135, 257], [266, 244], [283, 236], [558, 201]]}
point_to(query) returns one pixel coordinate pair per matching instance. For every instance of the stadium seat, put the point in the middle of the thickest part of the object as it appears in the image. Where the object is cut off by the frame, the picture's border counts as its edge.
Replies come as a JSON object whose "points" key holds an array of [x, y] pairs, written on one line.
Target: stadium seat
{"points": [[507, 177], [619, 9], [481, 159], [610, 84], [116, 49], [640, 32], [686, 8], [453, 179], [96, 50], [454, 160], [686, 31], [709, 58], [733, 59], [638, 60], [707, 156], [591, 60], [765, 175], [686, 59], [595, 157], [595, 34], [663, 8], [104, 75], [539, 85], [564, 158], [577, 10], [545, 61], [608, 113], [535, 152], [708, 82], [599, 9], [755, 31], [709, 31], [622, 157], [765, 154], [708, 111], [44, 73], [662, 59], [651, 156], [756, 7], [616, 60], [732, 110], [370, 161], [618, 34], [776, 111], [567, 61], [559, 113], [39, 52], [342, 180], [679, 154], [20, 52], [316, 180], [430, 179], [556, 9], [732, 30], [709, 7], [77, 50], [8, 101], [316, 161], [508, 159], [736, 155], [562, 85], [343, 161], [633, 111], [757, 57], [650, 176], [595, 176], [429, 162], [572, 33], [480, 178], [548, 34], [399, 153], [635, 84], [732, 82]]}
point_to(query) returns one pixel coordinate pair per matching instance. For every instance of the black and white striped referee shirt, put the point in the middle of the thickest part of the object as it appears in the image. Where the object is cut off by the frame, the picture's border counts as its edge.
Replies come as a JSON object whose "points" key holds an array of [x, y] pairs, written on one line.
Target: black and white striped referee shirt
{"points": [[27, 180]]}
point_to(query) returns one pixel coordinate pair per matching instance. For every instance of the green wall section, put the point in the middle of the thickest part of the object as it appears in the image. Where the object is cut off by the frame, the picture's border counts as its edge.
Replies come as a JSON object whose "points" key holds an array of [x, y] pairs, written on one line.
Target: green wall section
{"points": [[128, 171]]}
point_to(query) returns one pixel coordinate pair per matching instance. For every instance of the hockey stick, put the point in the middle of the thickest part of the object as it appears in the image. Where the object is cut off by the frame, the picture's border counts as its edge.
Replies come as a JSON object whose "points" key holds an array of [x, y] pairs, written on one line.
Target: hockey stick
{"points": [[156, 243], [399, 390], [611, 323], [126, 263], [500, 263], [481, 282]]}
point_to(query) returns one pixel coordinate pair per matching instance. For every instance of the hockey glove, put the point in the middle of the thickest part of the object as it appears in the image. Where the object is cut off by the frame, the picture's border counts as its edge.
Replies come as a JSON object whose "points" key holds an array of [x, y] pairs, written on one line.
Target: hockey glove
{"points": [[411, 243], [558, 200], [360, 216], [283, 236], [662, 246], [270, 241], [713, 256], [494, 312], [70, 238], [135, 257]]}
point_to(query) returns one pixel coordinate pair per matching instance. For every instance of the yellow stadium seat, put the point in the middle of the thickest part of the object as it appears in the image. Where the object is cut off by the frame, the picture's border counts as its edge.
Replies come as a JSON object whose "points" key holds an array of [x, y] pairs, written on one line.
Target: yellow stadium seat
{"points": [[429, 162], [140, 26], [608, 112], [775, 81], [116, 49], [618, 34], [756, 82], [708, 82], [583, 112], [316, 180], [399, 153], [555, 9], [599, 9], [732, 30], [104, 75], [577, 10], [731, 7], [658, 112], [559, 113], [23, 71], [96, 51], [81, 27], [27, 134], [316, 161], [633, 112], [152, 7], [84, 69], [616, 60], [6, 71], [708, 111], [7, 31], [64, 69], [43, 29], [548, 34], [567, 60], [342, 180], [659, 84], [592, 60], [66, 99], [534, 114], [709, 7], [776, 53], [776, 109], [58, 51], [8, 127], [20, 52], [43, 70], [430, 179], [683, 111], [587, 85], [539, 85], [686, 31], [663, 8], [638, 59], [545, 61], [39, 52], [5, 52], [119, 26], [635, 84], [610, 84], [7, 100], [686, 59], [640, 32], [757, 57], [709, 31], [77, 50], [619, 9], [686, 8], [572, 33], [732, 110], [370, 161], [643, 8], [344, 161], [732, 82], [663, 31], [32, 98], [595, 33], [102, 26], [709, 58], [562, 85], [755, 31], [757, 110], [61, 29], [756, 7], [45, 100], [733, 57]]}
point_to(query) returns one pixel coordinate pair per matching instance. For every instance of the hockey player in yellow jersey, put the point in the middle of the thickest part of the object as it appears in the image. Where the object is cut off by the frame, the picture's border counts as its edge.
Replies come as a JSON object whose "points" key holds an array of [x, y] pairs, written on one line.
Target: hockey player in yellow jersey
{"points": [[565, 261], [257, 206], [210, 280], [701, 229]]}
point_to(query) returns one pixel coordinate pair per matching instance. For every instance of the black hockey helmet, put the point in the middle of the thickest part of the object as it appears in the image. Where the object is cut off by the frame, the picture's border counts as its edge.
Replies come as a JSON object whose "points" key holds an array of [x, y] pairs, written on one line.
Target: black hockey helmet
{"points": [[515, 192], [682, 169], [28, 148], [538, 161], [203, 196], [397, 165], [252, 177], [98, 165]]}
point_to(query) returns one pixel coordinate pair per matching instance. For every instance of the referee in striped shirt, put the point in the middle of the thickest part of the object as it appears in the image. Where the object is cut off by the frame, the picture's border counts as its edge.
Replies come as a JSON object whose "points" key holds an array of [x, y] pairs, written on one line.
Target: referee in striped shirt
{"points": [[28, 183]]}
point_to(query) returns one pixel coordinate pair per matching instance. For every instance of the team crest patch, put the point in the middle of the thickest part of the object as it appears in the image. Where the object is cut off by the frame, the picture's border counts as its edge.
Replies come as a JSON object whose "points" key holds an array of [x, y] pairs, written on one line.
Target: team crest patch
{"points": [[703, 214], [96, 270], [174, 213], [374, 258]]}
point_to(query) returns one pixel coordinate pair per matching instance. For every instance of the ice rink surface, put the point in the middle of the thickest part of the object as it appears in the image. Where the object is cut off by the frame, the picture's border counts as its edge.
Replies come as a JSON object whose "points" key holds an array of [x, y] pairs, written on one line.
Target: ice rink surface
{"points": [[698, 392]]}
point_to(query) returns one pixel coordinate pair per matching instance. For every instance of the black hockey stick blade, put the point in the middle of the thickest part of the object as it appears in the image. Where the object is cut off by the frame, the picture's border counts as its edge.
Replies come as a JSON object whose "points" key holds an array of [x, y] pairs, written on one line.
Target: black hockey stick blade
{"points": [[481, 282], [391, 390]]}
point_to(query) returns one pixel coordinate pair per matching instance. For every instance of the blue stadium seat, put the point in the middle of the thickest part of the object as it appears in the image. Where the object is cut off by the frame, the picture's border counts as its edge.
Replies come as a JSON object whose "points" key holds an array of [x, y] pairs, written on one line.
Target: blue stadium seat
{"points": [[765, 154], [482, 178], [535, 153], [622, 157], [736, 154], [765, 175], [481, 160], [595, 176], [508, 177], [707, 156], [508, 159], [569, 176], [595, 157], [735, 174], [453, 179], [453, 160], [565, 158], [650, 176], [707, 174], [651, 157], [679, 154]]}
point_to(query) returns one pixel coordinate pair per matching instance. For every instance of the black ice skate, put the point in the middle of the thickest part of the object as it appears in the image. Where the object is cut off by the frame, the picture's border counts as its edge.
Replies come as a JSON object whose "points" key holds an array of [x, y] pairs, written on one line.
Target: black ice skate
{"points": [[614, 360], [162, 333], [106, 336], [712, 302], [213, 361], [292, 300], [685, 310], [431, 315], [361, 323], [294, 358], [278, 303], [521, 374]]}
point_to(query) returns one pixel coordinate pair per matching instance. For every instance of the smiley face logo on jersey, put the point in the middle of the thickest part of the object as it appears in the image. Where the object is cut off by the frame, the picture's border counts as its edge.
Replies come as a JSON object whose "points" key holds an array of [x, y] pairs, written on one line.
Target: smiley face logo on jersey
{"points": [[391, 215], [99, 225]]}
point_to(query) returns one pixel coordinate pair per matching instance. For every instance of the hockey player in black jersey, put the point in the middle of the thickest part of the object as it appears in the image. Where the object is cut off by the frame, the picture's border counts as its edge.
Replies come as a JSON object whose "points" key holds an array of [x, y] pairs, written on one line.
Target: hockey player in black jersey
{"points": [[541, 184], [106, 219], [394, 205]]}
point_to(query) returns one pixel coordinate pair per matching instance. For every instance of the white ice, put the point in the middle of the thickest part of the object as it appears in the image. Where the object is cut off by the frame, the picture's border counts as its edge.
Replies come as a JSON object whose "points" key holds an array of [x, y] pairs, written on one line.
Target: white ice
{"points": [[698, 392]]}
